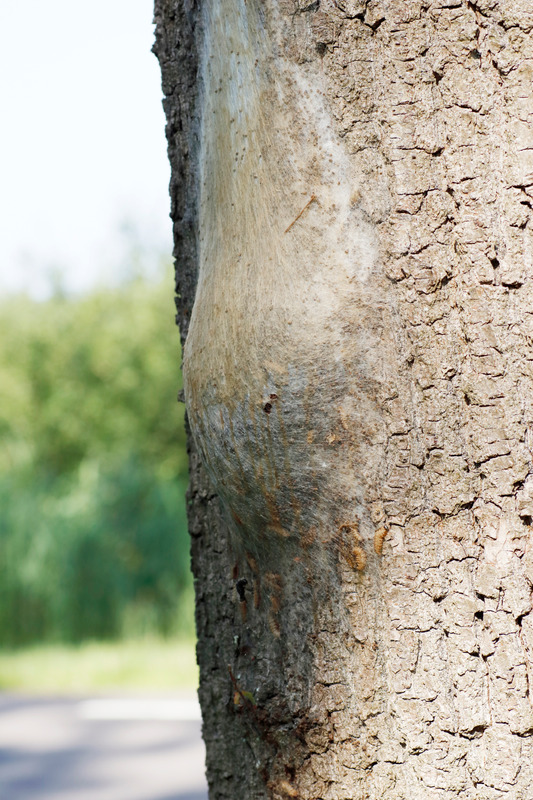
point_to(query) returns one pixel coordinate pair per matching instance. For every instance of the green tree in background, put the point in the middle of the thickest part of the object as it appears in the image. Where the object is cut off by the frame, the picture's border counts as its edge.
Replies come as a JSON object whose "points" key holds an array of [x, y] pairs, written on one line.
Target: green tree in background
{"points": [[93, 539]]}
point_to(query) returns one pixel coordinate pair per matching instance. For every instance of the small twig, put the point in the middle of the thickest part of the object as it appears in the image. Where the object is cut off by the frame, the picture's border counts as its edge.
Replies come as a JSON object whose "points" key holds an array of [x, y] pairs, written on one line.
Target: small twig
{"points": [[250, 706], [257, 717], [311, 200]]}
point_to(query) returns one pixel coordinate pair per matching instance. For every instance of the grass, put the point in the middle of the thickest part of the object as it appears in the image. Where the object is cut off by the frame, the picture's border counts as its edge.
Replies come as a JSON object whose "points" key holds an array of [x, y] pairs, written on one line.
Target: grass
{"points": [[148, 664]]}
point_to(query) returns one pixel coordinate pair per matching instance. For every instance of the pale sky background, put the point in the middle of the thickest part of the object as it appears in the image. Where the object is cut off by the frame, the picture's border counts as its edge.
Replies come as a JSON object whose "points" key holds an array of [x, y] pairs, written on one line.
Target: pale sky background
{"points": [[83, 151]]}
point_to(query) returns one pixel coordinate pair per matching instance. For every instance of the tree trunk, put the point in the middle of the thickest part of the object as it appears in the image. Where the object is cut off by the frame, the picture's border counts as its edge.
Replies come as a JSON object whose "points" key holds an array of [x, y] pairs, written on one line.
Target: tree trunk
{"points": [[352, 184]]}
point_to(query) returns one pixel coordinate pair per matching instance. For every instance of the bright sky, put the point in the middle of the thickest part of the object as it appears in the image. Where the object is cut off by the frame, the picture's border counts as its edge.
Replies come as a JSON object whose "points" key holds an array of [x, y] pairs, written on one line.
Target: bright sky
{"points": [[83, 153]]}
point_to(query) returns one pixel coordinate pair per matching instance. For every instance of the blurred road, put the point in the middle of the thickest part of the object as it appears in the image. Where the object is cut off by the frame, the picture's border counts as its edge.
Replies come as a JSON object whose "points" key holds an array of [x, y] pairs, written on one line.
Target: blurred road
{"points": [[126, 748]]}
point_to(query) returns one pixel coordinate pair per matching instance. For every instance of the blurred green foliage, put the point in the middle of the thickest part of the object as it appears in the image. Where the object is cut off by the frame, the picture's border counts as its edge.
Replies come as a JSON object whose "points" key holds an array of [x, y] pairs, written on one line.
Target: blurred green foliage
{"points": [[93, 537]]}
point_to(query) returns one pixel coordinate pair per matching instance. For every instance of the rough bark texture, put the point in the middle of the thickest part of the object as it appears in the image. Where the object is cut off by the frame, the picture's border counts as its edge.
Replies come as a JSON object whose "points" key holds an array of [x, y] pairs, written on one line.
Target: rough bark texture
{"points": [[359, 382]]}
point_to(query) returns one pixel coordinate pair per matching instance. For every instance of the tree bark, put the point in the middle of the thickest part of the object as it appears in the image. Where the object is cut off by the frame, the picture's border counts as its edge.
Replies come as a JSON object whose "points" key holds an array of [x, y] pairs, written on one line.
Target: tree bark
{"points": [[352, 183]]}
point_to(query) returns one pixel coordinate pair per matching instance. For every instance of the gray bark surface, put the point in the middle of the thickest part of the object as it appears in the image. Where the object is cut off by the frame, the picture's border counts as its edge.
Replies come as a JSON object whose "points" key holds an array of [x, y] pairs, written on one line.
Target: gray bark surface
{"points": [[351, 193]]}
